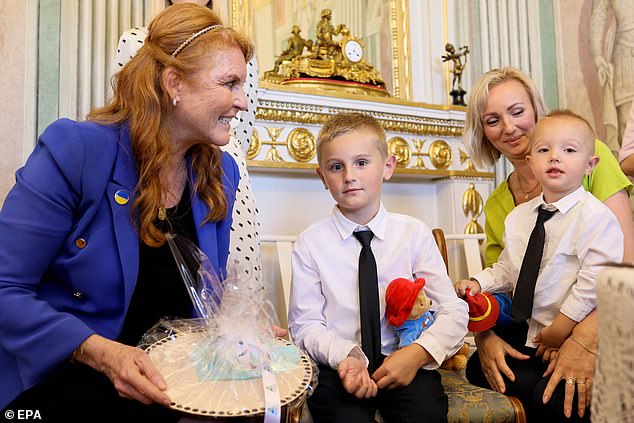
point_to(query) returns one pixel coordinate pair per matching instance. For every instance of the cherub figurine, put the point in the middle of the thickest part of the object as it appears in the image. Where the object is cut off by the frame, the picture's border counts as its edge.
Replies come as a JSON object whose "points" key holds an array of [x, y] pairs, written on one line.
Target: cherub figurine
{"points": [[294, 47], [408, 309], [458, 64]]}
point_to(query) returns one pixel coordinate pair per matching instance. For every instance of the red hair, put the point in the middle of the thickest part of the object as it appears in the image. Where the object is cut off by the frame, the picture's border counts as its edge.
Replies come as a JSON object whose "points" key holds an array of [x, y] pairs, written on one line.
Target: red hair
{"points": [[141, 100]]}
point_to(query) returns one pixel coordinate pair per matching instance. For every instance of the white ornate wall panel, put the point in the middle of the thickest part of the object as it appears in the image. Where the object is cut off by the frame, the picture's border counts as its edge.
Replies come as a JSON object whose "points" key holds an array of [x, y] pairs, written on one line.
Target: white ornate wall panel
{"points": [[430, 182]]}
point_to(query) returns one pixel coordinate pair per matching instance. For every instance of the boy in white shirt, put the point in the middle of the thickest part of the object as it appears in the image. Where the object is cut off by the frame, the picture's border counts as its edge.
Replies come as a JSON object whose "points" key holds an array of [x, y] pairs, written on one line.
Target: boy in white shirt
{"points": [[324, 312], [580, 237]]}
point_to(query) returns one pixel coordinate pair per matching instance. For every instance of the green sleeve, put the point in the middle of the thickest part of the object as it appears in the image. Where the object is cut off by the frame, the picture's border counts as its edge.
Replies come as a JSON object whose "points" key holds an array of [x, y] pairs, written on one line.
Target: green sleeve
{"points": [[497, 207], [607, 178]]}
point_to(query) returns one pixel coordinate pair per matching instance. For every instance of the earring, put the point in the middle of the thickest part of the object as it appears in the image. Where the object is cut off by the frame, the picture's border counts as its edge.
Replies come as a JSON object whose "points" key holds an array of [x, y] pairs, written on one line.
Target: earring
{"points": [[174, 102]]}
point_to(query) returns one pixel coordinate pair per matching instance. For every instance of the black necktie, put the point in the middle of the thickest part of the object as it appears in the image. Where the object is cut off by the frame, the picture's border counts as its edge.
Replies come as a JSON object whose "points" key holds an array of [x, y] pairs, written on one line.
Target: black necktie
{"points": [[522, 306], [369, 301]]}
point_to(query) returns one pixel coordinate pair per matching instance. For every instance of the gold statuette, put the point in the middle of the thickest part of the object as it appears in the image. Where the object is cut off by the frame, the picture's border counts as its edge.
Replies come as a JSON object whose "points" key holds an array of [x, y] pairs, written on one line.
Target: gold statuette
{"points": [[340, 62]]}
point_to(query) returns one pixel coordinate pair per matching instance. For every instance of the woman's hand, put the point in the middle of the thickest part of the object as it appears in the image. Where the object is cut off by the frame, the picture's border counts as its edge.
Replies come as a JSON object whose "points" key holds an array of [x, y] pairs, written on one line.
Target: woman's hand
{"points": [[130, 369], [576, 364], [493, 351]]}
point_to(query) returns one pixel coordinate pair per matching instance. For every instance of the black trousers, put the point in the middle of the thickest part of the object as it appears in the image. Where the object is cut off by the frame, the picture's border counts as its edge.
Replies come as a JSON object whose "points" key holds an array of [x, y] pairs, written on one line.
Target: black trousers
{"points": [[529, 385], [78, 393], [424, 400]]}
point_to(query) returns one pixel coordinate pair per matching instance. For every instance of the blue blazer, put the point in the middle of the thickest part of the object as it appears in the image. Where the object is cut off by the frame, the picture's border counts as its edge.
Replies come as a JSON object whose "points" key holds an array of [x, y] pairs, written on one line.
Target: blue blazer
{"points": [[69, 252]]}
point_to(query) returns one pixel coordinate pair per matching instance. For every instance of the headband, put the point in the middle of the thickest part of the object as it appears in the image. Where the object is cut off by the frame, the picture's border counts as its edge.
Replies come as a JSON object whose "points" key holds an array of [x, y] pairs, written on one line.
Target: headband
{"points": [[193, 37]]}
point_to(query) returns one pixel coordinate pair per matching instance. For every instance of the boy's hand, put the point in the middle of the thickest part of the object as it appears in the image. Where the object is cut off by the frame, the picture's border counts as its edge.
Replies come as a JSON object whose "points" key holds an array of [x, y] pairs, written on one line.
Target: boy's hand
{"points": [[549, 340], [463, 284], [400, 367], [554, 335], [356, 379]]}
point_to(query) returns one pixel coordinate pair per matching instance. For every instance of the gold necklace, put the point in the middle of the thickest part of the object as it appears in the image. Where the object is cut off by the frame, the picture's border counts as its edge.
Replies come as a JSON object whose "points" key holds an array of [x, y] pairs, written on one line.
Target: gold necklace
{"points": [[526, 193], [182, 175]]}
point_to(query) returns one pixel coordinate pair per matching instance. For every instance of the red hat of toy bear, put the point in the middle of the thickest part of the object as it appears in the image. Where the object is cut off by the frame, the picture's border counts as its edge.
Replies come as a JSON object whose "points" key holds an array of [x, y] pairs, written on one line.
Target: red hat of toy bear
{"points": [[483, 311], [399, 299]]}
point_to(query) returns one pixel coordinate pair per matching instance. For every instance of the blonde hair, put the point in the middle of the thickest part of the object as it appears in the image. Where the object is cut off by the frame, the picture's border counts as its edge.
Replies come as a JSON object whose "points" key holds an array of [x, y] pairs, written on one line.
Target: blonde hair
{"points": [[570, 115], [342, 123], [141, 100], [482, 151]]}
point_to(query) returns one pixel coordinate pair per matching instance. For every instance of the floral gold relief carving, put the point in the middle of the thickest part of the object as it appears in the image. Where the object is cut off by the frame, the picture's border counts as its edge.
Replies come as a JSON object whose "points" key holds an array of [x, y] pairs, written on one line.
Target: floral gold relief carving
{"points": [[440, 154], [254, 147], [301, 145], [399, 148]]}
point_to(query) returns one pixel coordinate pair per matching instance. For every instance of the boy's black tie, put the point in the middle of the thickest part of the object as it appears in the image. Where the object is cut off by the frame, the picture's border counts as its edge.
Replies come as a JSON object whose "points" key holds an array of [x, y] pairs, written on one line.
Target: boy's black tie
{"points": [[522, 306], [369, 301]]}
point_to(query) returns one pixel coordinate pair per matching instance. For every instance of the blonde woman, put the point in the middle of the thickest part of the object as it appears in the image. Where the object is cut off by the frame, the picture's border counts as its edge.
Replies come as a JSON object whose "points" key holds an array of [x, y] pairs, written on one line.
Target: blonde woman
{"points": [[504, 106]]}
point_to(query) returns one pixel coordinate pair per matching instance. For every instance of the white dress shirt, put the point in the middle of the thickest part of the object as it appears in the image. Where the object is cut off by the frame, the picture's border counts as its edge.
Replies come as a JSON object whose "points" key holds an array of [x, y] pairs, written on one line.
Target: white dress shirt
{"points": [[580, 239], [324, 304]]}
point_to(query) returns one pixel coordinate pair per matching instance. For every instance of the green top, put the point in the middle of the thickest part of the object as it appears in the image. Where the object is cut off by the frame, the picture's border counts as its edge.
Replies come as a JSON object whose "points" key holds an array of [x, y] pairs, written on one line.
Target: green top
{"points": [[605, 180]]}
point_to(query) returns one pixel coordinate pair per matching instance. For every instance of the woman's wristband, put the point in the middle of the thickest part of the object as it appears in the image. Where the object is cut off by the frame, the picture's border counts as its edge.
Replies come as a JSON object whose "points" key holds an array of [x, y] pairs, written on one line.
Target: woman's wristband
{"points": [[583, 346]]}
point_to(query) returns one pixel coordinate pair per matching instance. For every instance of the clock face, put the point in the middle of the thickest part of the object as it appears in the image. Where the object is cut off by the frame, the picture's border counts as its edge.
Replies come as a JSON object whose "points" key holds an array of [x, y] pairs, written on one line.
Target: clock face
{"points": [[353, 51]]}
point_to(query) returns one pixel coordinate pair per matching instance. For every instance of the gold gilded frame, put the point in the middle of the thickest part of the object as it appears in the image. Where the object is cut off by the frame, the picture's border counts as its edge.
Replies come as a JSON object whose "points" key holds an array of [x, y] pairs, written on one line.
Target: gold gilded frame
{"points": [[242, 20]]}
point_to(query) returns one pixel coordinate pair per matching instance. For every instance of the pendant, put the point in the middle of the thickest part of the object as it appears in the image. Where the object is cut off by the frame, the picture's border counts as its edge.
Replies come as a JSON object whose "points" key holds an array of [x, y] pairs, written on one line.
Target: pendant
{"points": [[162, 214], [526, 196]]}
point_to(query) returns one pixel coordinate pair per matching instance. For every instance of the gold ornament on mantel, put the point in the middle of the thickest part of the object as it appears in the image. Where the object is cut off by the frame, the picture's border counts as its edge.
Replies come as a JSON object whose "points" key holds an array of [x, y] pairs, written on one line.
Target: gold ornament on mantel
{"points": [[329, 64], [472, 204]]}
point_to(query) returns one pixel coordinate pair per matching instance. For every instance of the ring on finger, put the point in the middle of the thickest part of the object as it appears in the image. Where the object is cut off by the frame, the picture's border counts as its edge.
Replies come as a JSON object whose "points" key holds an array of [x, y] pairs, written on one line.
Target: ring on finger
{"points": [[489, 372], [581, 382], [570, 381]]}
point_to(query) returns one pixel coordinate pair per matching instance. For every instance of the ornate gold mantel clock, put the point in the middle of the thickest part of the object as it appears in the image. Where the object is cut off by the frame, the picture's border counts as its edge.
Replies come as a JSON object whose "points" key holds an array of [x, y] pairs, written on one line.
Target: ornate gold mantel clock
{"points": [[334, 65]]}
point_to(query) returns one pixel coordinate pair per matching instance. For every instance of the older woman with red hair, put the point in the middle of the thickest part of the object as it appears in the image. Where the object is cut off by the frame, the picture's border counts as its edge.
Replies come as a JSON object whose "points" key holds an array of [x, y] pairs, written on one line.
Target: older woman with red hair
{"points": [[85, 265]]}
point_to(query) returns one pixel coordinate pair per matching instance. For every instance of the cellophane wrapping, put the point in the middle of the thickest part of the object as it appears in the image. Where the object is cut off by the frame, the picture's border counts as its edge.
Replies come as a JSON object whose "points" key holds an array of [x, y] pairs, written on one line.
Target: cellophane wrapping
{"points": [[227, 361]]}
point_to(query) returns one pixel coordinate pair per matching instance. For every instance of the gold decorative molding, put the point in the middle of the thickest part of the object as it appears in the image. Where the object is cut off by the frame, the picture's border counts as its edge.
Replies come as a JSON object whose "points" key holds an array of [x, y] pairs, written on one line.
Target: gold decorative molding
{"points": [[409, 172], [255, 146], [440, 154], [281, 89], [240, 15], [473, 205], [339, 89], [399, 148], [419, 164], [273, 155], [312, 115], [301, 145], [465, 158], [401, 63]]}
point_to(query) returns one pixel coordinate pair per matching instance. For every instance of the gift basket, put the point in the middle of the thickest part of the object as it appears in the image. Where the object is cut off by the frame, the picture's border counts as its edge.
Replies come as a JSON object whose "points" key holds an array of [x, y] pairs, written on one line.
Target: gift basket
{"points": [[227, 362]]}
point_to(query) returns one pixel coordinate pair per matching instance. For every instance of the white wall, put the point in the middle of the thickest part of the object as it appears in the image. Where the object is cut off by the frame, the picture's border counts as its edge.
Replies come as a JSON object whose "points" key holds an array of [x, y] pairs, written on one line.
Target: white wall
{"points": [[289, 202]]}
